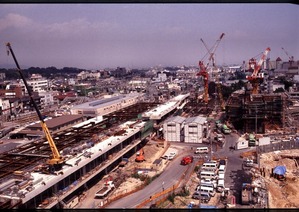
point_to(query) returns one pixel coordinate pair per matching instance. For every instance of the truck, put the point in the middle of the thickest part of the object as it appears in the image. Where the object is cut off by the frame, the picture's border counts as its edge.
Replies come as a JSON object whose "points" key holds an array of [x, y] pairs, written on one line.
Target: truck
{"points": [[186, 160], [251, 140], [103, 191], [225, 129], [246, 194]]}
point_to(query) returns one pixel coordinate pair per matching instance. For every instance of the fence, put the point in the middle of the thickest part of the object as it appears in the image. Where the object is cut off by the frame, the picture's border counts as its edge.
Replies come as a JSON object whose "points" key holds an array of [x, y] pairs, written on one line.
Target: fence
{"points": [[283, 145], [160, 197]]}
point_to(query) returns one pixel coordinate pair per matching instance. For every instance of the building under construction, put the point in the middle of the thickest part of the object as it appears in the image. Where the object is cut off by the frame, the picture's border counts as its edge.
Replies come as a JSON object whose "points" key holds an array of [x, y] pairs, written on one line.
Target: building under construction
{"points": [[259, 113]]}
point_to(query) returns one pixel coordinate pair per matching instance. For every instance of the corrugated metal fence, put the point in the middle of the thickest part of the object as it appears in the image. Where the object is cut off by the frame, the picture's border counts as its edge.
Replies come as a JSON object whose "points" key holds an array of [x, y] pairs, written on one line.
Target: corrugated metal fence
{"points": [[283, 145]]}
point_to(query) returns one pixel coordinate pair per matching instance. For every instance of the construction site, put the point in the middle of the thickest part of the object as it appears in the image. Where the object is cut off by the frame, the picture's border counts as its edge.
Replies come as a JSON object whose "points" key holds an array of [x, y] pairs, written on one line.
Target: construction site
{"points": [[121, 135]]}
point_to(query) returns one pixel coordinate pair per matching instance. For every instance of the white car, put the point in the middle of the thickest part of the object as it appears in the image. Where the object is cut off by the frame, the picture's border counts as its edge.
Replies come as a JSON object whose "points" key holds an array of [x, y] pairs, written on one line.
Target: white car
{"points": [[171, 155]]}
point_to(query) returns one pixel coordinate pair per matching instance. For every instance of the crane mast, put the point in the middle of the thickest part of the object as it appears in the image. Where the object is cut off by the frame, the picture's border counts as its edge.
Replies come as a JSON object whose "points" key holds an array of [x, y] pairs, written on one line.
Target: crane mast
{"points": [[256, 77], [203, 68], [56, 161], [212, 58]]}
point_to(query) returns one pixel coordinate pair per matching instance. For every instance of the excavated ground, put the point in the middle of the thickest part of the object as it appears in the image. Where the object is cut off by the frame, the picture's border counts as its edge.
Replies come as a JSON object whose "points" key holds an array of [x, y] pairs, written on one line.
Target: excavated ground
{"points": [[282, 194]]}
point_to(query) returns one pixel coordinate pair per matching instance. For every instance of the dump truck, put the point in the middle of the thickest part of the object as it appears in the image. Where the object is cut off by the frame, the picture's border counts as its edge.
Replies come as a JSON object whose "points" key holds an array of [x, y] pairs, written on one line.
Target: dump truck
{"points": [[102, 192], [246, 195]]}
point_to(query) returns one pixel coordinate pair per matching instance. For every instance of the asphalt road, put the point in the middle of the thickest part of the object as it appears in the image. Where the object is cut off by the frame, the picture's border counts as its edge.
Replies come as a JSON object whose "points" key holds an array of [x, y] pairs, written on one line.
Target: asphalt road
{"points": [[234, 176], [168, 178]]}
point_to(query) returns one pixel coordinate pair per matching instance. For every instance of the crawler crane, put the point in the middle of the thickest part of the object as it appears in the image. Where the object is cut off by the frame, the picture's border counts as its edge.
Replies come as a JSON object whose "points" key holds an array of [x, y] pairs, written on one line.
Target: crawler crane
{"points": [[55, 163], [203, 69]]}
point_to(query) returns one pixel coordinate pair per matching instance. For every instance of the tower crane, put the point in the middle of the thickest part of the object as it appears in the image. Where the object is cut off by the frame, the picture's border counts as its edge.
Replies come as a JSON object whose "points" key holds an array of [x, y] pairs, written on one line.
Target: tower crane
{"points": [[203, 68], [255, 78], [212, 58], [291, 59], [56, 161]]}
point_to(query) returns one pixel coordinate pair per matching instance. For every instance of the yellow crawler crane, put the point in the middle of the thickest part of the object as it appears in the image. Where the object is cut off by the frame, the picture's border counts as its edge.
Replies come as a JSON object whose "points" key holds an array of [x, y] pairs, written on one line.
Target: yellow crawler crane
{"points": [[56, 161]]}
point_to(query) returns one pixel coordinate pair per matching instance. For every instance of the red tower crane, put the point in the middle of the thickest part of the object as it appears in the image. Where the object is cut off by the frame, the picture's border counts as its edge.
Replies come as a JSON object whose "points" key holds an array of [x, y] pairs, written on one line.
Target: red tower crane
{"points": [[203, 68], [255, 78]]}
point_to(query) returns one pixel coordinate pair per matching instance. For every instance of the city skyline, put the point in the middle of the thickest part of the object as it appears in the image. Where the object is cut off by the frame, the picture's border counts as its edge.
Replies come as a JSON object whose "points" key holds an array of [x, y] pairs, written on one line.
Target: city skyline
{"points": [[94, 36]]}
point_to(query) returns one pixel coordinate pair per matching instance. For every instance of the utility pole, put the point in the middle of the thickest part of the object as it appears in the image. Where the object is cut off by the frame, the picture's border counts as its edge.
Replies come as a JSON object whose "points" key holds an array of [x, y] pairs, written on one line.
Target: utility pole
{"points": [[255, 120]]}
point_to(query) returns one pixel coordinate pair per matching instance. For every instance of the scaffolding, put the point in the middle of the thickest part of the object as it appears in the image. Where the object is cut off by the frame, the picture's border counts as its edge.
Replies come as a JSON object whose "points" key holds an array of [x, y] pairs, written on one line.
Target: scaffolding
{"points": [[259, 113]]}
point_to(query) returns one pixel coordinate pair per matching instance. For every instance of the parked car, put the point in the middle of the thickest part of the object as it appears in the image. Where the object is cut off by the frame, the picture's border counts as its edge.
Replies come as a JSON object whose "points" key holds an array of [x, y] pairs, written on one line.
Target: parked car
{"points": [[186, 160], [222, 162], [171, 155], [203, 196], [214, 182]]}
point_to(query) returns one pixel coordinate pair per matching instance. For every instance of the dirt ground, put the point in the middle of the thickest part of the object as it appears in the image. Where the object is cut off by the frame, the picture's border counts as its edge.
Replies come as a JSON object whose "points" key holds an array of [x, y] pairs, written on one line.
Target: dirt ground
{"points": [[152, 151], [282, 194]]}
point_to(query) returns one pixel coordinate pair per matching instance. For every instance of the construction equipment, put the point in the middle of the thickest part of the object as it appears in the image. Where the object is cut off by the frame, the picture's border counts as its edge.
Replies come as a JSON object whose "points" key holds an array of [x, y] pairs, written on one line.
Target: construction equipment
{"points": [[256, 78], [246, 194], [203, 69], [57, 160], [140, 156], [291, 59]]}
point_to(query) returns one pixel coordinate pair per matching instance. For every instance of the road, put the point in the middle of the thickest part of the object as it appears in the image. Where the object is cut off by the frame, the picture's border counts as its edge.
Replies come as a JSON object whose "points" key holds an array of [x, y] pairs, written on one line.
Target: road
{"points": [[167, 179], [235, 175]]}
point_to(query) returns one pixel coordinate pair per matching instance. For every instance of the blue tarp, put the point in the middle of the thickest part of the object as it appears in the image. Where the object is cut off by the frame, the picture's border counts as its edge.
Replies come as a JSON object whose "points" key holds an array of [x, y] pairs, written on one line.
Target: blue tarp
{"points": [[280, 170]]}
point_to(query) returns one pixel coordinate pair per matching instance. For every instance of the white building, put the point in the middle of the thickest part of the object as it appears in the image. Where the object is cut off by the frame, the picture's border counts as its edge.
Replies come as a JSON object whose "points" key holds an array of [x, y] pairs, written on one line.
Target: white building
{"points": [[194, 128], [106, 105], [242, 143], [4, 107], [173, 129], [47, 98], [37, 83]]}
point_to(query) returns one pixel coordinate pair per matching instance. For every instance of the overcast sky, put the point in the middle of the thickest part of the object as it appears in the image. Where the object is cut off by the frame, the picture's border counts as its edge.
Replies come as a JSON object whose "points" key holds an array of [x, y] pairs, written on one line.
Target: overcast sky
{"points": [[95, 36]]}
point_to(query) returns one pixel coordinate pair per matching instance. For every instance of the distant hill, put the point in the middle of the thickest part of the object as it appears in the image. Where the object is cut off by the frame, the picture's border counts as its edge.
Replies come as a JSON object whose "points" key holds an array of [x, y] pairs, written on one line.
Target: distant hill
{"points": [[8, 66]]}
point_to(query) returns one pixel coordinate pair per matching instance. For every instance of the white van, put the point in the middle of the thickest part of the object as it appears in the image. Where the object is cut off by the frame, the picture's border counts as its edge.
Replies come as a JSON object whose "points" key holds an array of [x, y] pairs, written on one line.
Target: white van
{"points": [[220, 186], [210, 166], [201, 150], [211, 185], [221, 169], [209, 190], [208, 175], [220, 176]]}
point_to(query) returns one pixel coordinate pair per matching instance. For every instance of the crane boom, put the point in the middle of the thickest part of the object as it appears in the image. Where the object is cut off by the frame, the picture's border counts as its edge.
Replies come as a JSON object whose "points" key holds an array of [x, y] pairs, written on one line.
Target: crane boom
{"points": [[286, 53], [255, 77], [56, 157], [203, 68], [212, 53]]}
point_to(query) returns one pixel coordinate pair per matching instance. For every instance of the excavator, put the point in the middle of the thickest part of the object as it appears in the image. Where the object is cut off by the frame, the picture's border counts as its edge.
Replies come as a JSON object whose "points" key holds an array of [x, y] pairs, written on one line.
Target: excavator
{"points": [[140, 156], [56, 161]]}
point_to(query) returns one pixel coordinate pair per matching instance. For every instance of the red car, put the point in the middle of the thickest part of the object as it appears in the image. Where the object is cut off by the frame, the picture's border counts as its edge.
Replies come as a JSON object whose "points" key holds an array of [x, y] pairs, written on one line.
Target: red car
{"points": [[186, 160]]}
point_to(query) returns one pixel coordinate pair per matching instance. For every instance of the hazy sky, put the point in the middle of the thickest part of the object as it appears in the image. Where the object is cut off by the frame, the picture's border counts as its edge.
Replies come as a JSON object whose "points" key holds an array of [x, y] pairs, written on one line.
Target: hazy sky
{"points": [[95, 36]]}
